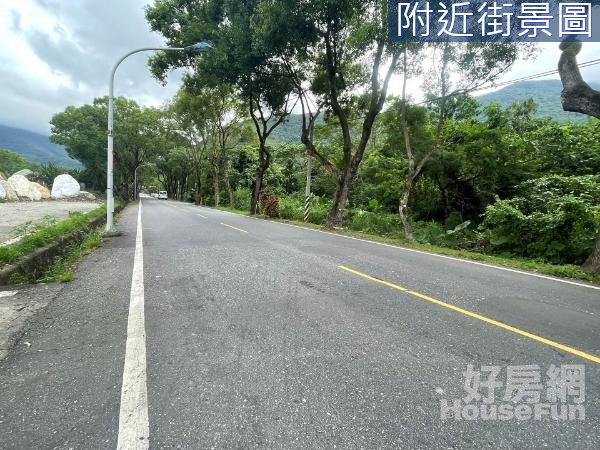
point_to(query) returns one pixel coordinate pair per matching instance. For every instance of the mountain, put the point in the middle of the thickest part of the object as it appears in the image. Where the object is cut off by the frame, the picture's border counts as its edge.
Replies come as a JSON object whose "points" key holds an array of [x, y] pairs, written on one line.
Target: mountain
{"points": [[289, 131], [37, 148], [546, 94]]}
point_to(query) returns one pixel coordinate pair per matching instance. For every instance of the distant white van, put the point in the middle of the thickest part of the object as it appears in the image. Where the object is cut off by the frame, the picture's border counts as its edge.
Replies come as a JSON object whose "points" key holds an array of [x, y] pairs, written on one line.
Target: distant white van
{"points": [[162, 195]]}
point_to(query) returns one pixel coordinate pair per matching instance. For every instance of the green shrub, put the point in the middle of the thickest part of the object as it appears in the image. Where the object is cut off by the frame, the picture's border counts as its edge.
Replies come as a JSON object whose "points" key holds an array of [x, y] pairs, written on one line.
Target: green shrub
{"points": [[46, 233], [319, 210], [291, 208], [556, 219], [375, 222], [432, 233], [242, 199]]}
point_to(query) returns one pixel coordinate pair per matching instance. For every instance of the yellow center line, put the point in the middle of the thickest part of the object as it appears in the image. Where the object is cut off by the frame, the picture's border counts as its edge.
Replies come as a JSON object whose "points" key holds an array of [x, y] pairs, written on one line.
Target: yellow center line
{"points": [[485, 319], [229, 226]]}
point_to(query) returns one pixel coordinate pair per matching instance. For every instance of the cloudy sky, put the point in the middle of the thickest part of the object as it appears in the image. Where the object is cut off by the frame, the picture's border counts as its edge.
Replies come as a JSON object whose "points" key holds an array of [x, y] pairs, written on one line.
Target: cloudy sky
{"points": [[56, 53]]}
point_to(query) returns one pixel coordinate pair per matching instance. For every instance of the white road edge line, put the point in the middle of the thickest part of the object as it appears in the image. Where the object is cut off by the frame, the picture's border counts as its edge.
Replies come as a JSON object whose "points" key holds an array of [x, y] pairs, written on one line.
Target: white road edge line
{"points": [[477, 263], [134, 427]]}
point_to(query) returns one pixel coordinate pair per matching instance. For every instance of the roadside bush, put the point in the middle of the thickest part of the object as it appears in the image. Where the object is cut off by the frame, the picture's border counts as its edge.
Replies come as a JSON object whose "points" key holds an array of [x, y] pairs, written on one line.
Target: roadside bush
{"points": [[291, 208], [375, 222], [432, 233], [556, 219], [319, 209], [268, 203], [45, 234], [242, 199]]}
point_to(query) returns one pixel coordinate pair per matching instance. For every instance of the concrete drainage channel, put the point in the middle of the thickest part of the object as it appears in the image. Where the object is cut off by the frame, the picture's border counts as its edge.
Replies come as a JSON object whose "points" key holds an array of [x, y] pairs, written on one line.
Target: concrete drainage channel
{"points": [[33, 264]]}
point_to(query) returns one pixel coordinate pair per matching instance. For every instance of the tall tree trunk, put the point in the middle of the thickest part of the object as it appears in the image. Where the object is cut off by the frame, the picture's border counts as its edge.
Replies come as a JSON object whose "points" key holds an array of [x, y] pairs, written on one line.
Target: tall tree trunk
{"points": [[216, 185], [336, 214], [258, 183], [259, 180], [403, 209], [592, 264], [198, 190], [414, 167], [197, 194], [230, 191]]}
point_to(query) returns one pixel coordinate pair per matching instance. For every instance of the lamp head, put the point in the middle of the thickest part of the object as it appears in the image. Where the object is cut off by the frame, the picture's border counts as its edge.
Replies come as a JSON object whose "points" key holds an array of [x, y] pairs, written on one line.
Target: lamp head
{"points": [[198, 47]]}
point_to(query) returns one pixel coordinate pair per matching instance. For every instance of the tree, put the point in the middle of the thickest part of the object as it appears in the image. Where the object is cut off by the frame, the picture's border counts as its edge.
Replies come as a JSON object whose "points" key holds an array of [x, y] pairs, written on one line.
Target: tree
{"points": [[337, 53], [192, 115], [235, 60], [172, 168], [11, 162], [458, 68], [579, 97], [82, 131]]}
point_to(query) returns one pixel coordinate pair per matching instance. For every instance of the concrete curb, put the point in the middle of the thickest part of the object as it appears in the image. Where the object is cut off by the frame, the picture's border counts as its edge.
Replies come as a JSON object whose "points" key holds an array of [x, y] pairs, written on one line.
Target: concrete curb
{"points": [[33, 264]]}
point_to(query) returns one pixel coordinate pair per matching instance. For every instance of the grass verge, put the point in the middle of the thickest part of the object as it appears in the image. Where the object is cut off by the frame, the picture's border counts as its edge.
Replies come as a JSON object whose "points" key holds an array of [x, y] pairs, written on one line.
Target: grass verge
{"points": [[541, 267], [63, 268], [47, 234]]}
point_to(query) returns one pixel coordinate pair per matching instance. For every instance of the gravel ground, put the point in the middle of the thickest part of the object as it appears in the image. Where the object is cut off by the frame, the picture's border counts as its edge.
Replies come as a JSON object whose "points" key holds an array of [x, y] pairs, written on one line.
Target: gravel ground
{"points": [[14, 214]]}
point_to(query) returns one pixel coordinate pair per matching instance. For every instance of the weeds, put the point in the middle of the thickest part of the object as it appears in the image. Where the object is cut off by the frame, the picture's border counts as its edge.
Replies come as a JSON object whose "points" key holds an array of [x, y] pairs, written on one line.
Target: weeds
{"points": [[46, 233], [62, 269]]}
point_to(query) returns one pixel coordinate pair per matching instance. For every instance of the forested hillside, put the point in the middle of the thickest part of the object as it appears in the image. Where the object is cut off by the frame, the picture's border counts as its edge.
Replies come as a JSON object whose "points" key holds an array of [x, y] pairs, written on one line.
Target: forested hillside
{"points": [[546, 94], [35, 147]]}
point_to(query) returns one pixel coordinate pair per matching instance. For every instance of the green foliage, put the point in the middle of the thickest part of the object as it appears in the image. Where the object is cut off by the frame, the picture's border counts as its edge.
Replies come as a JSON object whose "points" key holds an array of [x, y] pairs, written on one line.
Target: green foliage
{"points": [[61, 269], [82, 130], [242, 198], [291, 208], [46, 234], [546, 94], [555, 218], [11, 162], [46, 173], [373, 222]]}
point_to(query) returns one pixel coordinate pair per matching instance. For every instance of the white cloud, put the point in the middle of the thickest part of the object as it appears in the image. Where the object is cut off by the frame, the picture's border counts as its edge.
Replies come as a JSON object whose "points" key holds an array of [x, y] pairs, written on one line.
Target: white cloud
{"points": [[59, 53], [56, 53]]}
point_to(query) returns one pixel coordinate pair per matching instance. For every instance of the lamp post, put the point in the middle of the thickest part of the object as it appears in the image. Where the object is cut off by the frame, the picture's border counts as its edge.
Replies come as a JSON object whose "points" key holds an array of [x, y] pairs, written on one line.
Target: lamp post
{"points": [[110, 201]]}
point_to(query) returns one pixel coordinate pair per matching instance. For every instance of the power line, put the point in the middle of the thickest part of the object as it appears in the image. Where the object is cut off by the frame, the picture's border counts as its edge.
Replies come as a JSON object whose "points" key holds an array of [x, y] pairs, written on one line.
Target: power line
{"points": [[538, 75], [592, 62]]}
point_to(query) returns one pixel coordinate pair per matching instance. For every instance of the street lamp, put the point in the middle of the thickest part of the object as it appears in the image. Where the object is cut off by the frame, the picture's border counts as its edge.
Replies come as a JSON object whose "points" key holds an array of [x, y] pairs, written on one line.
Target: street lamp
{"points": [[110, 201]]}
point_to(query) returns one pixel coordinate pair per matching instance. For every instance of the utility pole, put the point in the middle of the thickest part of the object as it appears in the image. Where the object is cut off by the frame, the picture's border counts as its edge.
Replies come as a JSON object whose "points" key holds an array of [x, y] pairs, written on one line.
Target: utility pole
{"points": [[308, 182], [308, 196]]}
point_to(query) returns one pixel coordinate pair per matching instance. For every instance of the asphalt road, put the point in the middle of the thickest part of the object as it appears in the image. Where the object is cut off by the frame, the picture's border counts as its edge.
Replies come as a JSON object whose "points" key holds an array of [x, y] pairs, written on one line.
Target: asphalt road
{"points": [[264, 335]]}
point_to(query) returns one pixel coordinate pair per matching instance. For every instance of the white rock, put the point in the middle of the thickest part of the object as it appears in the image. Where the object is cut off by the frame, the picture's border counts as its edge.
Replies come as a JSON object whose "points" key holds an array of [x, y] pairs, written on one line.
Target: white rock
{"points": [[87, 196], [10, 193], [25, 172], [24, 188], [2, 193], [65, 186], [43, 190]]}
